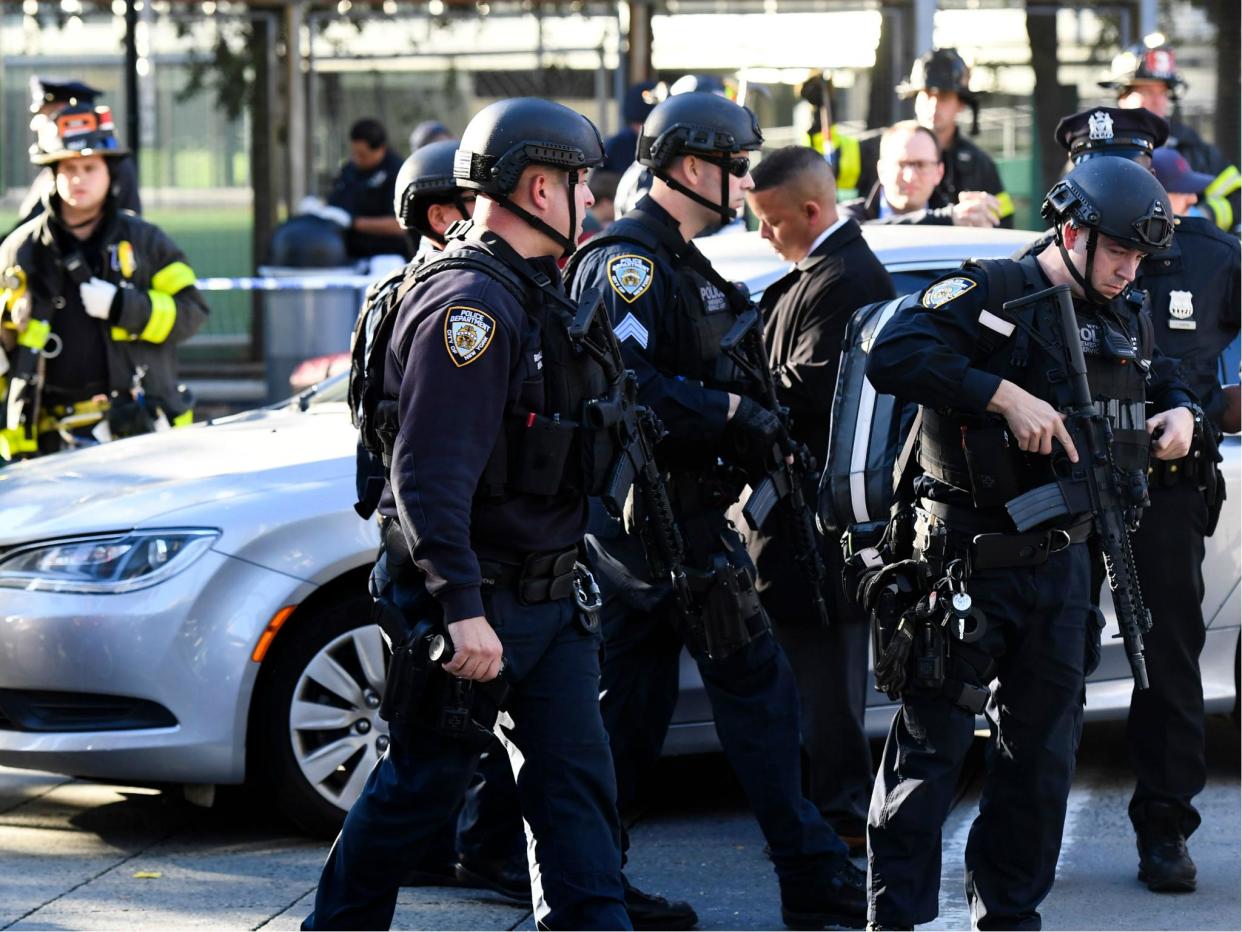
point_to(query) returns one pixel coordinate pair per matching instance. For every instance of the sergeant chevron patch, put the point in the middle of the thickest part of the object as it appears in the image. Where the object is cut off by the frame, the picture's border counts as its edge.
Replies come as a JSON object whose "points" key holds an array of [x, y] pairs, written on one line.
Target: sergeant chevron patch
{"points": [[945, 291], [630, 276], [630, 328], [467, 334]]}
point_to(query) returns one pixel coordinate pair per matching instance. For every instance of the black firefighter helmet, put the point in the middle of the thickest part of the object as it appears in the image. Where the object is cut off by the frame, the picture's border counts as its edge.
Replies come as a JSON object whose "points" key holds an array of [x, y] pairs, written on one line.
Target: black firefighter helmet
{"points": [[508, 136], [77, 130], [1115, 197], [942, 70], [706, 125]]}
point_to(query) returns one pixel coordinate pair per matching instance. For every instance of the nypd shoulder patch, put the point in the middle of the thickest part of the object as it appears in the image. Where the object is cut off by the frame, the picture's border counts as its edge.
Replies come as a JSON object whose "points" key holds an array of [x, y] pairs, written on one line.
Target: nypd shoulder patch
{"points": [[467, 334], [630, 276], [945, 291]]}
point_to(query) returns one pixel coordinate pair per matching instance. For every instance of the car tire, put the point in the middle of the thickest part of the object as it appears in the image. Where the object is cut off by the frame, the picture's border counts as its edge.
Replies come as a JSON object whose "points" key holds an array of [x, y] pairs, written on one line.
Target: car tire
{"points": [[316, 733]]}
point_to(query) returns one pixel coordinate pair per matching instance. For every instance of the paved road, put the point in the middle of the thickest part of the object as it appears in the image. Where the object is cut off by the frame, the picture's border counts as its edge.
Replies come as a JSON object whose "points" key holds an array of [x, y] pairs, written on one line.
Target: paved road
{"points": [[75, 854]]}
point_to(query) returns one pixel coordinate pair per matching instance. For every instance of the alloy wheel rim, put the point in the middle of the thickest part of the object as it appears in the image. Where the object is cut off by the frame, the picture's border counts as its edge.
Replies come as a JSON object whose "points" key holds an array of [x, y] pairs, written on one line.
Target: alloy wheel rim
{"points": [[334, 726]]}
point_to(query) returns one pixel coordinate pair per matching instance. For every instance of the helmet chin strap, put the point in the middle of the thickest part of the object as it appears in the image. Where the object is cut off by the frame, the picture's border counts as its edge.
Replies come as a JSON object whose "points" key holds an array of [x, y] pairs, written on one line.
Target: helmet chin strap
{"points": [[1083, 282], [568, 245], [720, 207]]}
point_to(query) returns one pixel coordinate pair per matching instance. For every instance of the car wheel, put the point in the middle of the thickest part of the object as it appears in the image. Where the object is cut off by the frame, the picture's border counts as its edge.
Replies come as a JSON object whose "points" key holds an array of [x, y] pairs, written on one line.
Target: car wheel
{"points": [[317, 719]]}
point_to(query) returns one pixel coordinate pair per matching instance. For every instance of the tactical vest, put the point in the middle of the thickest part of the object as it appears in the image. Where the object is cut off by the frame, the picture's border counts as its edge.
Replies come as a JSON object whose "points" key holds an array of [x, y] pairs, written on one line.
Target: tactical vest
{"points": [[701, 311], [555, 452], [975, 452]]}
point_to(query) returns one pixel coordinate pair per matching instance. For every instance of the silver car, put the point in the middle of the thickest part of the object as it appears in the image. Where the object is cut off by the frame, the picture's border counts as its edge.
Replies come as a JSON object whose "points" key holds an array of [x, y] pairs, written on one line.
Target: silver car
{"points": [[190, 607]]}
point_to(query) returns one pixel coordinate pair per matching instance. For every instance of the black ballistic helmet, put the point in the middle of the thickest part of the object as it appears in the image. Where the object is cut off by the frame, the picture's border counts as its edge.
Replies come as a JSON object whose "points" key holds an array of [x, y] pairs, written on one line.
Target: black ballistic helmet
{"points": [[508, 136], [942, 70], [705, 125], [1114, 196], [426, 178]]}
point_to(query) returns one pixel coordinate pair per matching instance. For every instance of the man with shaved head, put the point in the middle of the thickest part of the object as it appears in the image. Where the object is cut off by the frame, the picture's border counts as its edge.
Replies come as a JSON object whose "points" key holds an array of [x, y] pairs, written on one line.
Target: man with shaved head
{"points": [[833, 272]]}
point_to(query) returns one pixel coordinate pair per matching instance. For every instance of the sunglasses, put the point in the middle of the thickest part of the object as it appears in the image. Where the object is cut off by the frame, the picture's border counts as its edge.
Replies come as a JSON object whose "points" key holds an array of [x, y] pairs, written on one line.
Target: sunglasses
{"points": [[738, 166]]}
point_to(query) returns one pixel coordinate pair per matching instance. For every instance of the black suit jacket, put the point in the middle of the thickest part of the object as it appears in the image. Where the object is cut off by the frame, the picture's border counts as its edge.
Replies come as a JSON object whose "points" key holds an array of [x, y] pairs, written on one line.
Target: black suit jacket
{"points": [[805, 315]]}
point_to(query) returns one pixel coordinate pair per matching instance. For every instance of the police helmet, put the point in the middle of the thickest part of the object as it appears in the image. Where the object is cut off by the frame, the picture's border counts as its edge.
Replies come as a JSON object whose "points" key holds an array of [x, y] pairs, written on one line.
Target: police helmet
{"points": [[77, 130], [697, 123], [1116, 197], [711, 127], [1149, 60], [425, 178], [505, 138]]}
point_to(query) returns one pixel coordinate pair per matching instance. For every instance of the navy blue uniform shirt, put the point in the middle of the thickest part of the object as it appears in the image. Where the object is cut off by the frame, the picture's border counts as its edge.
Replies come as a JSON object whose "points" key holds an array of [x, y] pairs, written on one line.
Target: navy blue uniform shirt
{"points": [[639, 288], [925, 353], [464, 351], [1196, 305], [369, 194]]}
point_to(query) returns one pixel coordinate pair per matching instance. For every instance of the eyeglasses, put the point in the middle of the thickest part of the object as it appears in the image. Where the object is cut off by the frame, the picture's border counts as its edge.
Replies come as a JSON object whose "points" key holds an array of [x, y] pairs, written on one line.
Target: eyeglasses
{"points": [[919, 166]]}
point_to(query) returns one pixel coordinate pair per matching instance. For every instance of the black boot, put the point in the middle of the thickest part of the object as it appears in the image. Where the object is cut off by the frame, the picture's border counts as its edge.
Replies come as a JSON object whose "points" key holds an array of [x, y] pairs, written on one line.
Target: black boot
{"points": [[1164, 863], [839, 899], [508, 878], [648, 911]]}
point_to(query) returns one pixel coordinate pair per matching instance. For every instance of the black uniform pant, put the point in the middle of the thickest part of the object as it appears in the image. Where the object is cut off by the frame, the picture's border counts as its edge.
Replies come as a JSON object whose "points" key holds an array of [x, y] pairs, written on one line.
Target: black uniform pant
{"points": [[1165, 728], [830, 667], [754, 701], [560, 758], [1037, 632]]}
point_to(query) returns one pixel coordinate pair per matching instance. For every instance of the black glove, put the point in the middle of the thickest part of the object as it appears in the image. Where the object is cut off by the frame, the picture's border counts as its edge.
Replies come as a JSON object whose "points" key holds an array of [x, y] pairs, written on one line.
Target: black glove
{"points": [[752, 431]]}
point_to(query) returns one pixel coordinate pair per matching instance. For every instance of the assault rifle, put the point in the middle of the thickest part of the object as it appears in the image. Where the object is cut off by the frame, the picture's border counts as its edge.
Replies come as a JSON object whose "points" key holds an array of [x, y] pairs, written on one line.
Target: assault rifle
{"points": [[638, 429], [783, 481], [1094, 484]]}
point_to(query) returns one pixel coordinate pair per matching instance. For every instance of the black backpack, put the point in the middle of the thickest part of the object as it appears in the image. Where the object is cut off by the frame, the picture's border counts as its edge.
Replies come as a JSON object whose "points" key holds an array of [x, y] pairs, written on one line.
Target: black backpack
{"points": [[869, 429]]}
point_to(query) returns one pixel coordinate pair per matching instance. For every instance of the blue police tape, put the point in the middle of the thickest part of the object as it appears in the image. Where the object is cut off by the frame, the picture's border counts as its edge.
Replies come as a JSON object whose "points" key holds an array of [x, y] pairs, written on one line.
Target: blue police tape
{"points": [[352, 282]]}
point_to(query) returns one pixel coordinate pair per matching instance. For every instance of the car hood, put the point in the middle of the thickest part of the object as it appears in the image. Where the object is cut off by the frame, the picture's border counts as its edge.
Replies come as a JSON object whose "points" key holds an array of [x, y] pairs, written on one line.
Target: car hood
{"points": [[130, 483]]}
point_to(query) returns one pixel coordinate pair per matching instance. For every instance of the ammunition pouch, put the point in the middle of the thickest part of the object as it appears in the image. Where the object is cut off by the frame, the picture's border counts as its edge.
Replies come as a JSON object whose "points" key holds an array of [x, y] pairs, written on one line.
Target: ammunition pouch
{"points": [[728, 612], [539, 577]]}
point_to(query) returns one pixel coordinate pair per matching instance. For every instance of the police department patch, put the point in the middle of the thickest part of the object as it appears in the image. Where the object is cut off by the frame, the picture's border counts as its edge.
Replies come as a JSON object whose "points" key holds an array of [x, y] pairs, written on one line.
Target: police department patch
{"points": [[467, 334], [629, 276], [945, 291]]}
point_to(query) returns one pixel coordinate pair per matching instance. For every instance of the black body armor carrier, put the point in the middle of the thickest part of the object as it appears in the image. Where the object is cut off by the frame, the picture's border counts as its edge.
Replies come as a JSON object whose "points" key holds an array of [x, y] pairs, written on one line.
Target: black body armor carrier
{"points": [[689, 342], [560, 451], [975, 453]]}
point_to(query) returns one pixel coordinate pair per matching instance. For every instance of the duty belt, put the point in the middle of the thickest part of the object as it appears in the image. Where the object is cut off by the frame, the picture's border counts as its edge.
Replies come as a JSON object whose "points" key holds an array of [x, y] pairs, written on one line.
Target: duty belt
{"points": [[949, 532], [539, 577]]}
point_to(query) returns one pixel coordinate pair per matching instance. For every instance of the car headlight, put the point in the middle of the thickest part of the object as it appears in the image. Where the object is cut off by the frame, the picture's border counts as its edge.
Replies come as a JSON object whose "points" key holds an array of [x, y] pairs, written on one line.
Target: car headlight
{"points": [[105, 564]]}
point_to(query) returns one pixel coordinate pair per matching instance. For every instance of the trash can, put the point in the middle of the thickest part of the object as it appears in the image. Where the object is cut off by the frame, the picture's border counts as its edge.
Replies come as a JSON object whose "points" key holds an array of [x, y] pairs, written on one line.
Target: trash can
{"points": [[308, 318]]}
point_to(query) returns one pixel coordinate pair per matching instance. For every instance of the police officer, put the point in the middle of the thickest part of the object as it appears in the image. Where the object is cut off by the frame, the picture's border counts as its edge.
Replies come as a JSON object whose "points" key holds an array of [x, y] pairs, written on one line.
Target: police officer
{"points": [[1195, 305], [1145, 75], [48, 96], [482, 844], [363, 192], [841, 150], [940, 85], [484, 392], [671, 310], [95, 301], [1192, 288], [989, 422], [806, 312]]}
